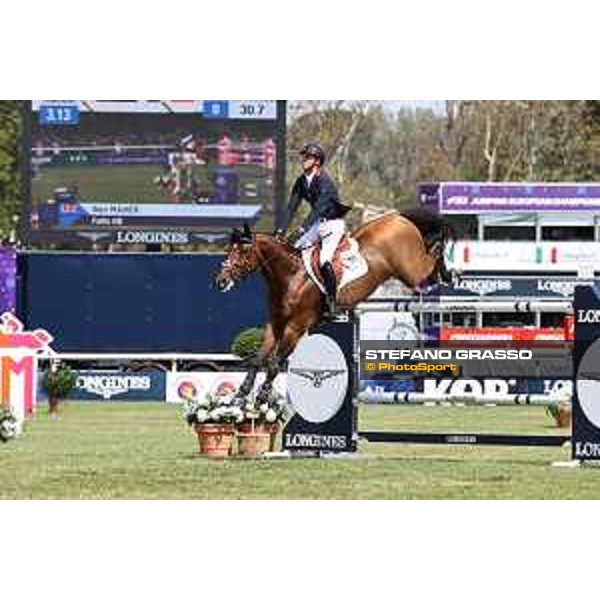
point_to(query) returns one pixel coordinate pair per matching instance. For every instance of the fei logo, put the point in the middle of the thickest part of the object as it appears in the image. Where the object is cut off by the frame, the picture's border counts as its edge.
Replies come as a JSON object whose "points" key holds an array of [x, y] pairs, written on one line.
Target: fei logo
{"points": [[19, 353]]}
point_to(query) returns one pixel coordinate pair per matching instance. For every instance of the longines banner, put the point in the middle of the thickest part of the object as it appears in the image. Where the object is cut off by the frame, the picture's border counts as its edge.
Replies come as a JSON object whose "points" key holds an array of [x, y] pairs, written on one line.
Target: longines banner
{"points": [[149, 386], [526, 286]]}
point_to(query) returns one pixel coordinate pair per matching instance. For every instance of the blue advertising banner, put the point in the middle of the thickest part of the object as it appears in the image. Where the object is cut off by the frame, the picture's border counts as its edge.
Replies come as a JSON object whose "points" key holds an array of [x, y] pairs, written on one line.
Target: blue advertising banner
{"points": [[498, 286], [148, 386]]}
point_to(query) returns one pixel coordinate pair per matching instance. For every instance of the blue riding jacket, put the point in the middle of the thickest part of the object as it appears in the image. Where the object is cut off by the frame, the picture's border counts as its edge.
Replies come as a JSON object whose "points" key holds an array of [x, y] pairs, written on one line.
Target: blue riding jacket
{"points": [[321, 194]]}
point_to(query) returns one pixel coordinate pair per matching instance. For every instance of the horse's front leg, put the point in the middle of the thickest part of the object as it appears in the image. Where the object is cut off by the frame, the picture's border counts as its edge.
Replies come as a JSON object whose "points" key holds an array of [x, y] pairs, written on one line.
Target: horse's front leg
{"points": [[276, 362], [257, 363]]}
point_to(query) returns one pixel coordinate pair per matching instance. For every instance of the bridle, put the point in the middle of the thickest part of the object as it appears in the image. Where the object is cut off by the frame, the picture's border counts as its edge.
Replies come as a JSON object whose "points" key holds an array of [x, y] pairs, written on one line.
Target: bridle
{"points": [[244, 266]]}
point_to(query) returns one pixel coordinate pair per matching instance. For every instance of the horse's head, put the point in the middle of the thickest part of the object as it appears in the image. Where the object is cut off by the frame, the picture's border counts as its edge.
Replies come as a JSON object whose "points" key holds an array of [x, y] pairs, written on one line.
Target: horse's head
{"points": [[242, 259]]}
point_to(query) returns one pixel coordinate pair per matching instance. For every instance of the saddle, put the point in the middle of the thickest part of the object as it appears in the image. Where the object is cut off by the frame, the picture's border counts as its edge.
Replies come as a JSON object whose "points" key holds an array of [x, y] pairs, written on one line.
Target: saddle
{"points": [[348, 263]]}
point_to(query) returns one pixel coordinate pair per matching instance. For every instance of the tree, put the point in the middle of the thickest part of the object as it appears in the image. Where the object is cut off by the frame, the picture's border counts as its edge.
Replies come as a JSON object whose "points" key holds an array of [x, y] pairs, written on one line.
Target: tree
{"points": [[10, 181]]}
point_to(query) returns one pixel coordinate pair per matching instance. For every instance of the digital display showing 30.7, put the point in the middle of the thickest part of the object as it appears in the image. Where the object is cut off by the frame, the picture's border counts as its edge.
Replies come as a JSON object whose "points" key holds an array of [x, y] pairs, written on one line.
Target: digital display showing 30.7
{"points": [[152, 171]]}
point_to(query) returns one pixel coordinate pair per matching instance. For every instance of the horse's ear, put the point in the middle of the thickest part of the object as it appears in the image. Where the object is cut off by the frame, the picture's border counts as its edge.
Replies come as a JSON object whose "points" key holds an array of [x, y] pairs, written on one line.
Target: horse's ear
{"points": [[246, 235], [236, 236]]}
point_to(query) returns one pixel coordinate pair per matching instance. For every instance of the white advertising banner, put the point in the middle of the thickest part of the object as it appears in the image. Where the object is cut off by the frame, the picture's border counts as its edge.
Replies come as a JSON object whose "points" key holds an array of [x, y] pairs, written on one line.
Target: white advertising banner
{"points": [[185, 386], [522, 256]]}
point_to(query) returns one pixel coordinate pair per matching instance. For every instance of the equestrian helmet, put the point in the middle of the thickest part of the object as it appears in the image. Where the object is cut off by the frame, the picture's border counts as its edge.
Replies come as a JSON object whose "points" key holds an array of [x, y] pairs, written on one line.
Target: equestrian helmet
{"points": [[313, 150]]}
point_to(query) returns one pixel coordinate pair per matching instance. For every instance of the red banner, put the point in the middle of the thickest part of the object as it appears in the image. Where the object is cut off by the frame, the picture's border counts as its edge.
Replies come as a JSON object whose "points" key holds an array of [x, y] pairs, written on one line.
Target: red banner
{"points": [[500, 334]]}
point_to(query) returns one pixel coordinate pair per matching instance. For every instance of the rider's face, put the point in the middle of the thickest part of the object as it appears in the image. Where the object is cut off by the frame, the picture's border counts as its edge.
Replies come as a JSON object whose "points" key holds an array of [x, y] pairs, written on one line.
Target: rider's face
{"points": [[309, 163]]}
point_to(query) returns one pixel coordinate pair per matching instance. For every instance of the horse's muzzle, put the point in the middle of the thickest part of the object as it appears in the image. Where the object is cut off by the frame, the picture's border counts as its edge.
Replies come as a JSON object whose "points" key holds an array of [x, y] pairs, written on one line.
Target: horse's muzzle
{"points": [[223, 284]]}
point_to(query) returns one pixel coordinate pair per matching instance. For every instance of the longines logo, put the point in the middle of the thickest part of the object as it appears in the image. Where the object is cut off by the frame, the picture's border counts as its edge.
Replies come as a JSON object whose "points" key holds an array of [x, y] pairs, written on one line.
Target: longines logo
{"points": [[108, 386], [484, 286], [317, 378], [588, 316], [152, 237], [561, 287]]}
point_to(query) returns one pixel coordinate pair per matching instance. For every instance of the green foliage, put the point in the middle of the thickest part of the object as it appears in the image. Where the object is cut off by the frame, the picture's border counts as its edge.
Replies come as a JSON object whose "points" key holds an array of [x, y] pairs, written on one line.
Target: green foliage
{"points": [[59, 383], [379, 157], [248, 343], [10, 182]]}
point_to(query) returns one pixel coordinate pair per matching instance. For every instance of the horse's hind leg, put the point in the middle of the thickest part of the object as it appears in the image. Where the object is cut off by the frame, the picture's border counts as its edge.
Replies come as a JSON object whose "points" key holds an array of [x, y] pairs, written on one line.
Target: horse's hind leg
{"points": [[257, 362]]}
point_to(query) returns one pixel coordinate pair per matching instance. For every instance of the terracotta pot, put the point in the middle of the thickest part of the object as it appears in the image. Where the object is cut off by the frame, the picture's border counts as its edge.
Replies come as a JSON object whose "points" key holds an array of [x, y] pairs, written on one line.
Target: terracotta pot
{"points": [[563, 417], [215, 439], [53, 407], [255, 440]]}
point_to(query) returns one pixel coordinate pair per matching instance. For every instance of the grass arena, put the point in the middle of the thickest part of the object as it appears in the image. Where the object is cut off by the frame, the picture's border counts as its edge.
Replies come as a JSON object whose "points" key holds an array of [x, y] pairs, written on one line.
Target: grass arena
{"points": [[111, 450]]}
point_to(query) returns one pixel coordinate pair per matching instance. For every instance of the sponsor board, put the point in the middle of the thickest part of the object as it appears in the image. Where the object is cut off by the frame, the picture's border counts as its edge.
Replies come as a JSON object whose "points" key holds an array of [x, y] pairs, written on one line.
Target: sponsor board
{"points": [[502, 333], [553, 388], [93, 385], [187, 386], [522, 286], [522, 256], [586, 357], [321, 387], [476, 197]]}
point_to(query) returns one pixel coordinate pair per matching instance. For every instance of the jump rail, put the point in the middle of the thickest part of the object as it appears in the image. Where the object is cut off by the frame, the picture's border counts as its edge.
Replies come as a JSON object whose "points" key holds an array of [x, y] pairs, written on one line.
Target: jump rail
{"points": [[463, 305]]}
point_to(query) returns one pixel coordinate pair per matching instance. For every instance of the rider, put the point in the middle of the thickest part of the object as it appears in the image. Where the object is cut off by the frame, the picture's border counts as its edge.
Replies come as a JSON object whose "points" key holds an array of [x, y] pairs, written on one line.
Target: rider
{"points": [[325, 223]]}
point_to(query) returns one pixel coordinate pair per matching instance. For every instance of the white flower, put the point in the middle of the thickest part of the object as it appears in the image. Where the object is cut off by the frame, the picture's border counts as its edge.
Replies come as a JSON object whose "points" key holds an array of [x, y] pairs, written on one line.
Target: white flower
{"points": [[264, 408], [271, 416], [203, 402], [9, 428], [215, 414], [202, 415]]}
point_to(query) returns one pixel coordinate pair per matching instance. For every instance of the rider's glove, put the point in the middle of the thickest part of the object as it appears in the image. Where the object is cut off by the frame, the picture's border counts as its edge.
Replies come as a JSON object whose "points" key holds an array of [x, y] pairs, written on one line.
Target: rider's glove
{"points": [[297, 235], [279, 233]]}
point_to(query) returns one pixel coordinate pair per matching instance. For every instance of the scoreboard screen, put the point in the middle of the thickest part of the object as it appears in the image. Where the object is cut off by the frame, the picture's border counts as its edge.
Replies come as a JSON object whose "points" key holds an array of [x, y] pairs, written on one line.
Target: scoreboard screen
{"points": [[151, 171]]}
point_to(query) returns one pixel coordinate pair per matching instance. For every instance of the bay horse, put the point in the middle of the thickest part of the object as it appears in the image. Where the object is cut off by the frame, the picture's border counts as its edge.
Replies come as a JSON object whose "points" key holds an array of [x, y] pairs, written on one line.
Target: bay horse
{"points": [[408, 246]]}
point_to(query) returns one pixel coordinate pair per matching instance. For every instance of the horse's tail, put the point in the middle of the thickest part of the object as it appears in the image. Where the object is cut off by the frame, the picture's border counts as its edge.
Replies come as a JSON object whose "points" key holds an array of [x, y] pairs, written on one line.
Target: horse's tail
{"points": [[437, 233], [432, 227]]}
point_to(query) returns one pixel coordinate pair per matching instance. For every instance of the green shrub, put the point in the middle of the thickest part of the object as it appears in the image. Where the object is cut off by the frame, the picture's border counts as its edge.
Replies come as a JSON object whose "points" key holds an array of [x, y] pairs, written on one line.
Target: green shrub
{"points": [[59, 383], [248, 343]]}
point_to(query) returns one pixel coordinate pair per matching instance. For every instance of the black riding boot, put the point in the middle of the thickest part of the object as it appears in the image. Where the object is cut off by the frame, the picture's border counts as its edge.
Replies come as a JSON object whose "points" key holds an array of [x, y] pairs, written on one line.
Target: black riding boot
{"points": [[330, 288]]}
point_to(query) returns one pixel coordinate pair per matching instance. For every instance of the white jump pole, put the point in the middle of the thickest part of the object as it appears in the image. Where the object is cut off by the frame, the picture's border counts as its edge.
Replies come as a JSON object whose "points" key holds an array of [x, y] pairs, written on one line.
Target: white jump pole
{"points": [[418, 398], [465, 305]]}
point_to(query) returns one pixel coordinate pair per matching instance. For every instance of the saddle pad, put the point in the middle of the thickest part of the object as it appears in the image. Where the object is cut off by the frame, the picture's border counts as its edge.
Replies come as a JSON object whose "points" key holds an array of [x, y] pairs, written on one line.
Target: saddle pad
{"points": [[348, 263]]}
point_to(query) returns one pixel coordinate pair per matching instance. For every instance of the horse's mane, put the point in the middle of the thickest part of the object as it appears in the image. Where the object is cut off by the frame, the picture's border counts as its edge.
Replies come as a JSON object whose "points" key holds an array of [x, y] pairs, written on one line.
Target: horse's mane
{"points": [[292, 252]]}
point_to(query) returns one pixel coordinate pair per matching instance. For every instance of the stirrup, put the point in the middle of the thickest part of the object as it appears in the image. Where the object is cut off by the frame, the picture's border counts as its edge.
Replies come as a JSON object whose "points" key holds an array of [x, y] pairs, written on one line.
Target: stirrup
{"points": [[329, 307]]}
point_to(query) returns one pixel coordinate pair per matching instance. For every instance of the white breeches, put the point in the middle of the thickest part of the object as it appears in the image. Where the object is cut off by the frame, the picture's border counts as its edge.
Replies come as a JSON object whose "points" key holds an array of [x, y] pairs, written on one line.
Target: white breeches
{"points": [[329, 232]]}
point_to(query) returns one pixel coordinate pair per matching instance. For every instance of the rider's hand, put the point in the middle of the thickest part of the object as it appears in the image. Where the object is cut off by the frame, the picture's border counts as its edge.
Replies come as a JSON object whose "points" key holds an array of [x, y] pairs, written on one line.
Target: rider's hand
{"points": [[297, 235]]}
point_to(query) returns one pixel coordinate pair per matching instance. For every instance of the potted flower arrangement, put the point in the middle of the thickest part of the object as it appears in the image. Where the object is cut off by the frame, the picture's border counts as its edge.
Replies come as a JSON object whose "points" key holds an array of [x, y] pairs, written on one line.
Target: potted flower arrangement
{"points": [[561, 411], [9, 427], [58, 381], [213, 419], [260, 426]]}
